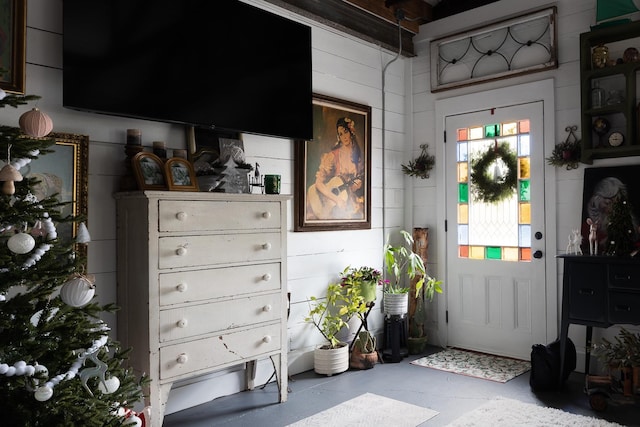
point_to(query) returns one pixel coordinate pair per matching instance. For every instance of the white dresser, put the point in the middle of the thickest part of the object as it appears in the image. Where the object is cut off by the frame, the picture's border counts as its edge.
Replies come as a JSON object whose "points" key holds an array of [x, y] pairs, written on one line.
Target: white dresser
{"points": [[201, 285]]}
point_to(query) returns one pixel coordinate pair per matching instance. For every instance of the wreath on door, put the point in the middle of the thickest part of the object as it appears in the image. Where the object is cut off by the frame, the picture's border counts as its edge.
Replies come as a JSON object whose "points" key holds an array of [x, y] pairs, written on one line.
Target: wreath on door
{"points": [[488, 187]]}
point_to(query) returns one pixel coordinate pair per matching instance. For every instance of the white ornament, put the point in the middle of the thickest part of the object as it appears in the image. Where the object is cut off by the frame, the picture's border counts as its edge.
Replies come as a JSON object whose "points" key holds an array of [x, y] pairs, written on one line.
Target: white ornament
{"points": [[21, 243], [78, 291], [2, 94], [83, 234], [109, 386], [43, 393], [132, 421]]}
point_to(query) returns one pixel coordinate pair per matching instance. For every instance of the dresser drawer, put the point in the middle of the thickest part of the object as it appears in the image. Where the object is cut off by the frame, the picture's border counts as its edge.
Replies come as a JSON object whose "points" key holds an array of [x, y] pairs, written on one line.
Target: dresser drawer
{"points": [[587, 292], [624, 307], [193, 251], [182, 215], [224, 349], [624, 276], [197, 285], [200, 319]]}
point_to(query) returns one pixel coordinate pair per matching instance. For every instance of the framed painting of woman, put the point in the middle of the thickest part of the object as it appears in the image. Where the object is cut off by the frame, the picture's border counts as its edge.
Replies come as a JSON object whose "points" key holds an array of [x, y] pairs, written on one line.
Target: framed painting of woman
{"points": [[333, 171]]}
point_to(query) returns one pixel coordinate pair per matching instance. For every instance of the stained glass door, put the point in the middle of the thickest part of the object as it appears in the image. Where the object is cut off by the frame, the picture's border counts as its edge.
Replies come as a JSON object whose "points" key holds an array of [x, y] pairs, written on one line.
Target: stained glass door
{"points": [[495, 238]]}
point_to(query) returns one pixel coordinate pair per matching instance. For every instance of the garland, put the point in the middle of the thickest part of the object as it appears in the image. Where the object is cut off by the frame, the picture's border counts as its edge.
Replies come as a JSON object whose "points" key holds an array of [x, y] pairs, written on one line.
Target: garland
{"points": [[485, 187]]}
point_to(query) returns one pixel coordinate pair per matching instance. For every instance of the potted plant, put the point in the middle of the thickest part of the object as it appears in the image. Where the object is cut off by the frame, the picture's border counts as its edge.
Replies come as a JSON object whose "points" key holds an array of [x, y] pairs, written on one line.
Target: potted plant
{"points": [[366, 278], [401, 261], [364, 354], [622, 355], [330, 316]]}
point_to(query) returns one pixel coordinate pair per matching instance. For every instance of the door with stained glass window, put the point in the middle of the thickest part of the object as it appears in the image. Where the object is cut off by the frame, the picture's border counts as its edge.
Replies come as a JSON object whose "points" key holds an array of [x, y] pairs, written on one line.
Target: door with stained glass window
{"points": [[495, 216]]}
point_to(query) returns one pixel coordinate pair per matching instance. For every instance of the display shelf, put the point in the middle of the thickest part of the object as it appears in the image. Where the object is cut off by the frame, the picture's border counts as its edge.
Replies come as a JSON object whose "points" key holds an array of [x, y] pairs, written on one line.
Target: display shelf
{"points": [[617, 103]]}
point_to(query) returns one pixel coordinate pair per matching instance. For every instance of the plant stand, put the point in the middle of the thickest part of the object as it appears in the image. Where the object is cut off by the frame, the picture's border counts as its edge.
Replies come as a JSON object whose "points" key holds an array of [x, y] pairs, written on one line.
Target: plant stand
{"points": [[363, 323], [395, 338]]}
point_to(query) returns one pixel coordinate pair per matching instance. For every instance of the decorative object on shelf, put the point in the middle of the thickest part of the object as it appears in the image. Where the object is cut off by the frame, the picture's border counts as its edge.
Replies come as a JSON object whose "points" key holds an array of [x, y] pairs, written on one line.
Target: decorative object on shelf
{"points": [[597, 95], [256, 180], [180, 175], [601, 126], [575, 241], [621, 229], [497, 186], [593, 236], [600, 56], [149, 171], [421, 165], [615, 139], [615, 97], [630, 54], [567, 153], [272, 184]]}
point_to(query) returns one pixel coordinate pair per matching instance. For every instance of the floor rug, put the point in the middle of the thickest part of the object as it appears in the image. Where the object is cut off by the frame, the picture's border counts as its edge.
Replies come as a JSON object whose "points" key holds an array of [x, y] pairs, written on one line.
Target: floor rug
{"points": [[473, 364], [503, 412], [369, 410]]}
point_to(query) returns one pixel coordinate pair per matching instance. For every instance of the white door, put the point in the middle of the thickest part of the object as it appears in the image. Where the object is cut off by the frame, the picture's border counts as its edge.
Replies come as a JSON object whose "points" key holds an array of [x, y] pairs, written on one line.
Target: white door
{"points": [[496, 292]]}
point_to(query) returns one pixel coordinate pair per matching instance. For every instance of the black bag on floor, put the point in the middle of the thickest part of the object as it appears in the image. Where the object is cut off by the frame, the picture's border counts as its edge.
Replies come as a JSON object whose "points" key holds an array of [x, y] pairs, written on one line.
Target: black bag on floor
{"points": [[545, 365]]}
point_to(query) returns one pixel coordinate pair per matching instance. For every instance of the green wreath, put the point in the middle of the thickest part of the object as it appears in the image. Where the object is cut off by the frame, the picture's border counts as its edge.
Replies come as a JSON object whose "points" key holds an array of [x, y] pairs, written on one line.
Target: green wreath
{"points": [[485, 187]]}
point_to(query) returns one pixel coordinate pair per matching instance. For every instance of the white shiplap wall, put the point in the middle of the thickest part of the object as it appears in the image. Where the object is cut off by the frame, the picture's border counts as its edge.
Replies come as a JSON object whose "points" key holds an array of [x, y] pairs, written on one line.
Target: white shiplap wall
{"points": [[343, 67]]}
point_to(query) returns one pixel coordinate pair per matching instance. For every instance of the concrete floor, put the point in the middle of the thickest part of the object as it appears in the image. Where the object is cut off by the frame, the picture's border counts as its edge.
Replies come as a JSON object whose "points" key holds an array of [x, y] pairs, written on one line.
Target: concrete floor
{"points": [[450, 394]]}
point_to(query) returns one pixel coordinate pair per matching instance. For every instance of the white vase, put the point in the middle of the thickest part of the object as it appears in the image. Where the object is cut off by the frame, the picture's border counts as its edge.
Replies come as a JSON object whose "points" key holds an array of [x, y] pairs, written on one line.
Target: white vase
{"points": [[395, 304], [329, 361]]}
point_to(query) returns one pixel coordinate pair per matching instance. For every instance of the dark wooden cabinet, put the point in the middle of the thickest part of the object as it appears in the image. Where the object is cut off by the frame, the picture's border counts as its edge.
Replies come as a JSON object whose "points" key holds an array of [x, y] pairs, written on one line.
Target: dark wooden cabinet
{"points": [[598, 291]]}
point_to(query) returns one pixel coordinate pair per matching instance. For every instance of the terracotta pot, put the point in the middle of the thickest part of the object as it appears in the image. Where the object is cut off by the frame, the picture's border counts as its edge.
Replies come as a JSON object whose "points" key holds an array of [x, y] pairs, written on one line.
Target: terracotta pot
{"points": [[360, 360], [636, 379]]}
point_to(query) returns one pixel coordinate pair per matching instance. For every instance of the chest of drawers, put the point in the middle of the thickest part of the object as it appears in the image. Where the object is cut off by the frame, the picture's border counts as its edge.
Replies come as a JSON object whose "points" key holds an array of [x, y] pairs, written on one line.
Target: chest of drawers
{"points": [[201, 285]]}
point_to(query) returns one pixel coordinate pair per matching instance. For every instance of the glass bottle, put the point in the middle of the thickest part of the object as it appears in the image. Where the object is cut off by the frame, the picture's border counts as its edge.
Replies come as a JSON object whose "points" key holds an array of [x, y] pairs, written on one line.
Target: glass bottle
{"points": [[597, 95]]}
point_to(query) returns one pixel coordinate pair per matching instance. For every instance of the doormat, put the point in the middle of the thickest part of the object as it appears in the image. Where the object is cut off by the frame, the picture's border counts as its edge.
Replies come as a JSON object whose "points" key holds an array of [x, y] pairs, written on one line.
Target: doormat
{"points": [[474, 364], [369, 410], [502, 412]]}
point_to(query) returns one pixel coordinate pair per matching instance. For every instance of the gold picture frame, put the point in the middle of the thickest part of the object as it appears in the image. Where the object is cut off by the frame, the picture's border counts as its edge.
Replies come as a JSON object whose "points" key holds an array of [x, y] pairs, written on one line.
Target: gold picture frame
{"points": [[65, 172], [180, 175], [13, 48], [149, 171]]}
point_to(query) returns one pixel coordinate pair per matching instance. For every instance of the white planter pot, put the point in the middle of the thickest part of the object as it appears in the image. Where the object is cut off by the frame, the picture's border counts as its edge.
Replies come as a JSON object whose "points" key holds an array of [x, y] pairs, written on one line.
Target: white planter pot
{"points": [[395, 304], [331, 361]]}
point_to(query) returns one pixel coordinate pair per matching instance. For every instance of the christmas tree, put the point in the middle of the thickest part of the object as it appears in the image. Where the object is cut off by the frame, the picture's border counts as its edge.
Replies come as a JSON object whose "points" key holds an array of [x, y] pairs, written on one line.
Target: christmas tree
{"points": [[58, 366], [621, 233]]}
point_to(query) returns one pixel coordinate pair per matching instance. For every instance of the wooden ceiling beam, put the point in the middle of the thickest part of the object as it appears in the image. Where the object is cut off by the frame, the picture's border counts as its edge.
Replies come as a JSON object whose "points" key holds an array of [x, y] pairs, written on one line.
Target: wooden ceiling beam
{"points": [[352, 20], [416, 11]]}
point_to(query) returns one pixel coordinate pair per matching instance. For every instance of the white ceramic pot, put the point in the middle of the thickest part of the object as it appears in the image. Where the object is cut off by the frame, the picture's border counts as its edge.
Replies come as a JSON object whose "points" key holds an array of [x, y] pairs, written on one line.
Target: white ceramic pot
{"points": [[395, 304], [331, 360]]}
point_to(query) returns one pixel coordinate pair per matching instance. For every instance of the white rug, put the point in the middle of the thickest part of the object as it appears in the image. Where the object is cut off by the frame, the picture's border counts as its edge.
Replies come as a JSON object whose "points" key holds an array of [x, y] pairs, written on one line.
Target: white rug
{"points": [[369, 410], [503, 412]]}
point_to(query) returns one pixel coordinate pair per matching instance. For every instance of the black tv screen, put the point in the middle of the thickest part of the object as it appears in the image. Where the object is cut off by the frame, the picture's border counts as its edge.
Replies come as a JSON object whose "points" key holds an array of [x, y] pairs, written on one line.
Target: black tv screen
{"points": [[212, 63]]}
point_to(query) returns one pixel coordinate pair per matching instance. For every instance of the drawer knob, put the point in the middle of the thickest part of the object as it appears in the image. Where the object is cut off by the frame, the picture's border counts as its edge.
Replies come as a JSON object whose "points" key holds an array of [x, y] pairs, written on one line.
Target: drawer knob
{"points": [[181, 216], [182, 358], [182, 323], [266, 277], [182, 287], [267, 308], [266, 246], [181, 251], [266, 215], [266, 339]]}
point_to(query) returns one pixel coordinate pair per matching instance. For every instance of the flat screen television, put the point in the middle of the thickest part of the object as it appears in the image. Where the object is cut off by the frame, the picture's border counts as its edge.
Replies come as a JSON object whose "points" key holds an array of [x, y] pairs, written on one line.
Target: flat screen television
{"points": [[219, 64]]}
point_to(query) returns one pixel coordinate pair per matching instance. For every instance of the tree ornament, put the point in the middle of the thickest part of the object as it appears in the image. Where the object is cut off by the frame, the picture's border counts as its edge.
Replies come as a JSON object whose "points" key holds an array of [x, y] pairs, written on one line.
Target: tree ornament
{"points": [[495, 187], [83, 234], [9, 174], [38, 230], [78, 290], [109, 386], [21, 243], [566, 153], [422, 165], [36, 123], [43, 393]]}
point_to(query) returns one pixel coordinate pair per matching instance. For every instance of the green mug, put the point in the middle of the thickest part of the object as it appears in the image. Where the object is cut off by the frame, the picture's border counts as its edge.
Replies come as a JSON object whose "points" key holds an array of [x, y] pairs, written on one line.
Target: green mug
{"points": [[272, 184]]}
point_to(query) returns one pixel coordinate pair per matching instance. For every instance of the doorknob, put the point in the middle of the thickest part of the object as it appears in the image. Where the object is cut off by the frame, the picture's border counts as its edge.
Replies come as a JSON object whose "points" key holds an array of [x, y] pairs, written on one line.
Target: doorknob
{"points": [[538, 235], [537, 254]]}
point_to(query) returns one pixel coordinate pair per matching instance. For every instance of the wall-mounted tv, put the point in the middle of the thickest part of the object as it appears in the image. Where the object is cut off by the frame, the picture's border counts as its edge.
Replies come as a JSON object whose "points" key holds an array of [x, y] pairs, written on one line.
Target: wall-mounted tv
{"points": [[208, 63]]}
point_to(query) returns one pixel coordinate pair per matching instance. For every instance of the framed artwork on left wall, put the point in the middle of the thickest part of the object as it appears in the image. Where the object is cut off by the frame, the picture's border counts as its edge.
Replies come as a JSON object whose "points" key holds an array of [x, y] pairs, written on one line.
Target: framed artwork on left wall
{"points": [[13, 27], [333, 171]]}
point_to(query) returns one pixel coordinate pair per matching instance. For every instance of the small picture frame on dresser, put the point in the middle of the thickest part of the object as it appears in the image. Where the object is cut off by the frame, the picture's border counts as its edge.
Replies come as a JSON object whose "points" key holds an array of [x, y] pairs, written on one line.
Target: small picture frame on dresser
{"points": [[180, 175], [149, 171]]}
